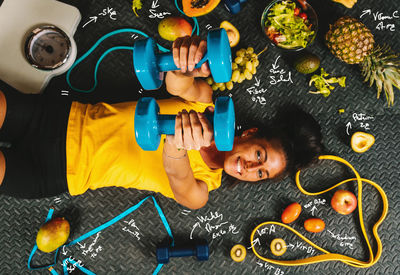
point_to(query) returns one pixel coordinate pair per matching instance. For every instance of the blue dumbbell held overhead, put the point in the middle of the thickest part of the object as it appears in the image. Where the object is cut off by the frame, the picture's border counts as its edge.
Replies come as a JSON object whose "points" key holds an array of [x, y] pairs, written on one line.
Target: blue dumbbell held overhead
{"points": [[150, 67], [150, 125]]}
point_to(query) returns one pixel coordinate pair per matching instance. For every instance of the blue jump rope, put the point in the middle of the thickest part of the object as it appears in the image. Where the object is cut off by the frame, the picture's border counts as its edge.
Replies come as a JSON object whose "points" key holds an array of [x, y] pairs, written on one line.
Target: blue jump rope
{"points": [[130, 48], [94, 231], [131, 209]]}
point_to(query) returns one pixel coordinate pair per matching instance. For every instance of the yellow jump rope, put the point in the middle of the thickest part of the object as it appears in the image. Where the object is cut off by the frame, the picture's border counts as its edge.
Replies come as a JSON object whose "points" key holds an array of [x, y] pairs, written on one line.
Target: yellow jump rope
{"points": [[327, 256]]}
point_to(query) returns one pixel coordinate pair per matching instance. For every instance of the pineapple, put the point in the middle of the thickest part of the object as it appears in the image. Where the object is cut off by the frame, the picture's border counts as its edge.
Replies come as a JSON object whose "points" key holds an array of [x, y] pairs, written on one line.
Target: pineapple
{"points": [[352, 42]]}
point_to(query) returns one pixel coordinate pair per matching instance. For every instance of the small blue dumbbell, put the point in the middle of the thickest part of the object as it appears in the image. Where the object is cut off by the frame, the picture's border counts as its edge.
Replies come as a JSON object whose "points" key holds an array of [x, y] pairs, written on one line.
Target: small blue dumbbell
{"points": [[201, 251], [234, 6], [150, 68], [150, 125]]}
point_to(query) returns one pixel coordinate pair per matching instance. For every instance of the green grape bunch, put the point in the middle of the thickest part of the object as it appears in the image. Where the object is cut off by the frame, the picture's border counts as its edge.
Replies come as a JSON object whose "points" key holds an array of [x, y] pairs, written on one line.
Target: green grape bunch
{"points": [[244, 66]]}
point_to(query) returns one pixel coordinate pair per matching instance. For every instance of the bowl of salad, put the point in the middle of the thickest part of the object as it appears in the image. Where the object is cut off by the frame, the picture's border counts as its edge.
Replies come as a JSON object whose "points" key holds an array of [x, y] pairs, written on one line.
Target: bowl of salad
{"points": [[290, 24]]}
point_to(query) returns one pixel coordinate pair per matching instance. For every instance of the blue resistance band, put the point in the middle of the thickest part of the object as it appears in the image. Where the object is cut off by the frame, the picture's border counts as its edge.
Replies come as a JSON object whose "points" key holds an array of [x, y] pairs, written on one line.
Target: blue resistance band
{"points": [[94, 231], [104, 37]]}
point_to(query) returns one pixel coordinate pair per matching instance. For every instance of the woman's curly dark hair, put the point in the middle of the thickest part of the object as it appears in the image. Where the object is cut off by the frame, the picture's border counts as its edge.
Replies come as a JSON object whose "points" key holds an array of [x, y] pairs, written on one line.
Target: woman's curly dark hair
{"points": [[299, 134]]}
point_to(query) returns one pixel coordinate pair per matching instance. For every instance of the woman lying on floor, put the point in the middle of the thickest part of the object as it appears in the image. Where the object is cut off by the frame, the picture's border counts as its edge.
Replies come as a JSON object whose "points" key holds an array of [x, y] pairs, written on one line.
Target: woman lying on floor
{"points": [[60, 146]]}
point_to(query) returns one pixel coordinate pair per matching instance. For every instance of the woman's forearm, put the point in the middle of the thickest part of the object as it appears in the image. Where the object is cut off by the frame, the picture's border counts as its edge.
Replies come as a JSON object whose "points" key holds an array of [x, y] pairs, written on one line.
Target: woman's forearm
{"points": [[188, 87], [178, 84], [187, 190], [176, 162]]}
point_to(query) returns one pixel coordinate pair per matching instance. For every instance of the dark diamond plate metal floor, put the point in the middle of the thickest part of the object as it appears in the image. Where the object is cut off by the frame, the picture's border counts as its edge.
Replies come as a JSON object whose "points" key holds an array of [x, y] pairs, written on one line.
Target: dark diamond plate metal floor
{"points": [[239, 206]]}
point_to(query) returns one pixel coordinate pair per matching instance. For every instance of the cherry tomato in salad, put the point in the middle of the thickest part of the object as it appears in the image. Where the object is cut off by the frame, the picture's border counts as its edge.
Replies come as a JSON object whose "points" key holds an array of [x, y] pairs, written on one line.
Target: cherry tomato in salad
{"points": [[303, 16], [291, 213], [296, 11], [314, 225]]}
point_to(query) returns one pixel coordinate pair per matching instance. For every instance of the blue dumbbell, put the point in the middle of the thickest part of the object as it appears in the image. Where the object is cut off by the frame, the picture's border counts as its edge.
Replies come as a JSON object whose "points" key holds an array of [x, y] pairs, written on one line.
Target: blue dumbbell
{"points": [[234, 6], [150, 125], [150, 68], [201, 251]]}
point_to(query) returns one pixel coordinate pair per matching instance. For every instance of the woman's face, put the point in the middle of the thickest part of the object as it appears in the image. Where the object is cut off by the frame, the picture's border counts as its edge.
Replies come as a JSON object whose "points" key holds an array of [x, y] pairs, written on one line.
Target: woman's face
{"points": [[254, 159]]}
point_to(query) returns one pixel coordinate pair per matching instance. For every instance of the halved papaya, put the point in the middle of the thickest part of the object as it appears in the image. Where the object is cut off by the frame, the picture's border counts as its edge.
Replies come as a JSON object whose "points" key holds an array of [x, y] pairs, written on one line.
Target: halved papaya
{"points": [[233, 33], [361, 142], [194, 8]]}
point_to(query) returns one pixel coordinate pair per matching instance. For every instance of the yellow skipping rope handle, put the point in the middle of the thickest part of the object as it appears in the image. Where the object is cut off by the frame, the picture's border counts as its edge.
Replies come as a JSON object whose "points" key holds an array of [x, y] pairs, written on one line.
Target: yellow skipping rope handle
{"points": [[327, 256]]}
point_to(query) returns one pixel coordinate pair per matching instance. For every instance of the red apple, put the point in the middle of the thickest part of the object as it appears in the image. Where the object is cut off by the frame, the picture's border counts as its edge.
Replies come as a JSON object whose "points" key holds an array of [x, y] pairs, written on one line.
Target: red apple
{"points": [[344, 202]]}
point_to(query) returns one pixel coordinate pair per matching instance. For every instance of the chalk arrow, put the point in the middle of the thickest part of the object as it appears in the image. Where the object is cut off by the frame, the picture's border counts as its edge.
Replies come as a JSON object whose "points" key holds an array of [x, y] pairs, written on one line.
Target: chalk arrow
{"points": [[81, 246], [92, 18], [290, 245], [274, 66], [313, 210], [197, 224], [64, 252], [257, 82], [348, 126], [254, 243], [365, 12], [154, 4]]}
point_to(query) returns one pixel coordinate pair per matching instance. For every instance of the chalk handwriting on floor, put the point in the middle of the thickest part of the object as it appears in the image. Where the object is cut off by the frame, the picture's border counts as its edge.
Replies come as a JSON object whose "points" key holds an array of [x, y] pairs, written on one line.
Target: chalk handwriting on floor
{"points": [[215, 224]]}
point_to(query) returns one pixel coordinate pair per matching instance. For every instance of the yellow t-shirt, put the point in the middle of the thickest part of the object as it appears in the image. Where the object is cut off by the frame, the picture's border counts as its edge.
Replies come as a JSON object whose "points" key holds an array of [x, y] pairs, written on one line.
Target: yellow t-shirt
{"points": [[101, 150]]}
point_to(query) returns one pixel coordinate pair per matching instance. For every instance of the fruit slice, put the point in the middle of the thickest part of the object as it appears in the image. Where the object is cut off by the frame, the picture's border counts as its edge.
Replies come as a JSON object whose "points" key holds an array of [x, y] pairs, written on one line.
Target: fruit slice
{"points": [[193, 8], [52, 234], [278, 247], [361, 142], [171, 28], [238, 253], [233, 33]]}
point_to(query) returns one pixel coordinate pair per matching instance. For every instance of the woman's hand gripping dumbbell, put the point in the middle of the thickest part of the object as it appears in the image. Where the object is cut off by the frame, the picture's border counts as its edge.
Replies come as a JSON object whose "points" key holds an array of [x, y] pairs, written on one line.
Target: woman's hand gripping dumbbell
{"points": [[187, 130], [192, 130], [150, 66], [187, 51]]}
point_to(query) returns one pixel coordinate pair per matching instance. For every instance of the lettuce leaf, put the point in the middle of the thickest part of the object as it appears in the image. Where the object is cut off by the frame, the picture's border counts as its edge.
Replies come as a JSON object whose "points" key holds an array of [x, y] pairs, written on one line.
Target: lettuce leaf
{"points": [[323, 84], [293, 28]]}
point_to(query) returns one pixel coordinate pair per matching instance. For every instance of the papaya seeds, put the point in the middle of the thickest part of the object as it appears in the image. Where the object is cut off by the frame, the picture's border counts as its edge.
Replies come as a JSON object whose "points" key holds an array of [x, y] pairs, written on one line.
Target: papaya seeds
{"points": [[195, 8], [306, 63], [52, 234]]}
